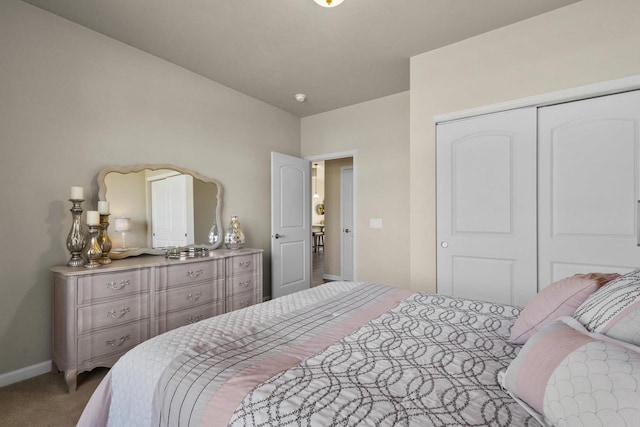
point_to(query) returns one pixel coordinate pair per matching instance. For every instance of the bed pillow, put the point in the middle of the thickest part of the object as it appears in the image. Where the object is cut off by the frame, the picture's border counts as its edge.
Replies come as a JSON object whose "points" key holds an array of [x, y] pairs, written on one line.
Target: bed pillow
{"points": [[565, 376], [561, 298], [614, 310]]}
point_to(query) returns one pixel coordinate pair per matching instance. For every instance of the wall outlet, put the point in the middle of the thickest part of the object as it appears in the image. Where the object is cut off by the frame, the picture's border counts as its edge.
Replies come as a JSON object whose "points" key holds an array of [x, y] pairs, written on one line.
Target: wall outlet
{"points": [[375, 223]]}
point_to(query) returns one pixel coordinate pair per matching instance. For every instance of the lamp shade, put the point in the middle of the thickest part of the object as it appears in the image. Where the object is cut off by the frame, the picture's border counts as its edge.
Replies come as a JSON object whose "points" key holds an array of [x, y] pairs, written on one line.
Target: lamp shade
{"points": [[122, 224], [328, 3]]}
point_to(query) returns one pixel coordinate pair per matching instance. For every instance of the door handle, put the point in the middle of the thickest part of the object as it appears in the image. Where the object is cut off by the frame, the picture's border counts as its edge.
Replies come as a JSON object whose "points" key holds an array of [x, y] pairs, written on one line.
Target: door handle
{"points": [[277, 236], [444, 244], [346, 230]]}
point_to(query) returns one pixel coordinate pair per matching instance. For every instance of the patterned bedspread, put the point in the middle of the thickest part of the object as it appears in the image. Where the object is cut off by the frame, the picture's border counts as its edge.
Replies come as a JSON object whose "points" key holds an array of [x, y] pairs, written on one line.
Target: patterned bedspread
{"points": [[372, 356]]}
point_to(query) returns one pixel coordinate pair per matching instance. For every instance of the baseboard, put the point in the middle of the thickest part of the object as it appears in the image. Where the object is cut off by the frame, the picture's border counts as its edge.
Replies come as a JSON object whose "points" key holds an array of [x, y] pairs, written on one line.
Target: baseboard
{"points": [[25, 373], [331, 277]]}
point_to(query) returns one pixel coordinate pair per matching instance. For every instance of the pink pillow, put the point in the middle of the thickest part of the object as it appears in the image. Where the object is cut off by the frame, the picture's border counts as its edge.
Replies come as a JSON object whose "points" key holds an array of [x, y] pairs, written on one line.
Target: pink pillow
{"points": [[558, 299]]}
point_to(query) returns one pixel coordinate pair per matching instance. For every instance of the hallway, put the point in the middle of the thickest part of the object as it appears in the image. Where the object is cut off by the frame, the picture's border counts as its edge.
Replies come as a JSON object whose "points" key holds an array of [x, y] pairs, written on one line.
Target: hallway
{"points": [[317, 260]]}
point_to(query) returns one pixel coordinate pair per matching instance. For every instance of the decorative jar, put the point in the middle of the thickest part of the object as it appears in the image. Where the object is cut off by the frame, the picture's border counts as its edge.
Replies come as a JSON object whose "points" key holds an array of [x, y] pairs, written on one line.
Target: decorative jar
{"points": [[214, 235], [234, 237]]}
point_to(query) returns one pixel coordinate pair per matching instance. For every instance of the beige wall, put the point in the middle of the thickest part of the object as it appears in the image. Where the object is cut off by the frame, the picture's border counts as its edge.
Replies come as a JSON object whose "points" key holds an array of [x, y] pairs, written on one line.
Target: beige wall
{"points": [[72, 102], [332, 249], [587, 42], [378, 131]]}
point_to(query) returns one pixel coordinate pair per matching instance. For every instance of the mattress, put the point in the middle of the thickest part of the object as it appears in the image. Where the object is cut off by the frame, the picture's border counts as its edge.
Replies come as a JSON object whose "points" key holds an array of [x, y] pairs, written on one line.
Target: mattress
{"points": [[343, 353]]}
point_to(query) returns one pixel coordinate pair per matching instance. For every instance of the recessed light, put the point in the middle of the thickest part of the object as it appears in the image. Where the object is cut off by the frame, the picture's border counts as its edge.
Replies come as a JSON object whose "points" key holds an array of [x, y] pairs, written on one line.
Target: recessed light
{"points": [[300, 97]]}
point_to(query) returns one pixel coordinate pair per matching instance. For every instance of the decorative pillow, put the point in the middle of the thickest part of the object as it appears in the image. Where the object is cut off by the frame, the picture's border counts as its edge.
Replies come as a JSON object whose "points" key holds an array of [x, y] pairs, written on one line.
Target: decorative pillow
{"points": [[565, 376], [561, 298], [614, 310]]}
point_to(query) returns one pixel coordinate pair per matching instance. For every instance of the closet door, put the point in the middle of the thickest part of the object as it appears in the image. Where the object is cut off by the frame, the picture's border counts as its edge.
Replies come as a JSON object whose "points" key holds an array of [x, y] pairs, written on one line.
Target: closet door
{"points": [[589, 183], [486, 207]]}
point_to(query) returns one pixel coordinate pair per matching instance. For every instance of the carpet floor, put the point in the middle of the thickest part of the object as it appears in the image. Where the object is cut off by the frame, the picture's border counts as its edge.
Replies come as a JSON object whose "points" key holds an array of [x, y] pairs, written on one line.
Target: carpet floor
{"points": [[45, 401]]}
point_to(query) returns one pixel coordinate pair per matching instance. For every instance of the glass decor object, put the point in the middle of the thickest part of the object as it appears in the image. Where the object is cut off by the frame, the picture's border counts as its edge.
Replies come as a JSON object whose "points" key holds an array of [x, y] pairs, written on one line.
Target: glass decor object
{"points": [[104, 240], [123, 225], [214, 235], [234, 237], [94, 252], [75, 240]]}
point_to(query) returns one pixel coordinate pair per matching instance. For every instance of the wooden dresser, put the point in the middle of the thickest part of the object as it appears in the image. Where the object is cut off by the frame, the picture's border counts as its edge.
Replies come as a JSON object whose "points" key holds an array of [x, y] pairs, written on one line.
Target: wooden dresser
{"points": [[99, 314]]}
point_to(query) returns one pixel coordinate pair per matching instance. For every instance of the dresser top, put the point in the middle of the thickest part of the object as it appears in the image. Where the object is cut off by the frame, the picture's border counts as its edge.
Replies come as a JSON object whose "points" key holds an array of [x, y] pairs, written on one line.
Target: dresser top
{"points": [[146, 261]]}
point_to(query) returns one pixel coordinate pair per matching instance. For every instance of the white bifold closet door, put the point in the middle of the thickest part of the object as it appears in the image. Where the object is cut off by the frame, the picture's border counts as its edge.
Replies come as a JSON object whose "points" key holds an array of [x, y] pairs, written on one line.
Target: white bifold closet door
{"points": [[486, 198], [589, 184]]}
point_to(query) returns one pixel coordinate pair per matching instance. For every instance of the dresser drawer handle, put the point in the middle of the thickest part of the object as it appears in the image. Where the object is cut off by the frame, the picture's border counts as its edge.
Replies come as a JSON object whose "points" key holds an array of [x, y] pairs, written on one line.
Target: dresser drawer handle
{"points": [[194, 274], [192, 319], [120, 342], [117, 287], [244, 303], [244, 264], [245, 283], [194, 297], [115, 315]]}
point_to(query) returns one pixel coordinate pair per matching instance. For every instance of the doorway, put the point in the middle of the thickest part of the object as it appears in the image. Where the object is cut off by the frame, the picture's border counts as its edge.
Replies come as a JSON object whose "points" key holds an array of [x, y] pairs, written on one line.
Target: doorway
{"points": [[330, 260], [317, 223]]}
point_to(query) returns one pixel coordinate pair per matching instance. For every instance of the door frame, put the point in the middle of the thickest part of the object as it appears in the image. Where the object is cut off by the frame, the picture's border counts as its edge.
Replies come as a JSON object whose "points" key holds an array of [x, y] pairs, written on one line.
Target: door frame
{"points": [[342, 225], [341, 155]]}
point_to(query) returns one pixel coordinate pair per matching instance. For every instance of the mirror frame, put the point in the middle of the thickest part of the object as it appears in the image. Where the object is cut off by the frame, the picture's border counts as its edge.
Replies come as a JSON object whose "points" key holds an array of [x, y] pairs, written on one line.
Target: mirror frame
{"points": [[102, 191]]}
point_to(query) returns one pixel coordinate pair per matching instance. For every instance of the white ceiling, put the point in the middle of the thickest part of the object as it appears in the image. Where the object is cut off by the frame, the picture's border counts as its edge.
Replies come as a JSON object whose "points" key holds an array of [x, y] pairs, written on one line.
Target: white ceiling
{"points": [[273, 49]]}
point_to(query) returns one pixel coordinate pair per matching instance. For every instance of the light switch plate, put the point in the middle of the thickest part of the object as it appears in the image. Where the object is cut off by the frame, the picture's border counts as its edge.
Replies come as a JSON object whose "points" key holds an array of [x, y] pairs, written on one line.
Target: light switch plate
{"points": [[375, 223]]}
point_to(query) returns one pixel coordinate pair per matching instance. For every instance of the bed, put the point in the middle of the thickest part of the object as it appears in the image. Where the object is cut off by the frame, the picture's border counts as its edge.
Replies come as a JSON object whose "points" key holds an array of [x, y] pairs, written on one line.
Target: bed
{"points": [[343, 353]]}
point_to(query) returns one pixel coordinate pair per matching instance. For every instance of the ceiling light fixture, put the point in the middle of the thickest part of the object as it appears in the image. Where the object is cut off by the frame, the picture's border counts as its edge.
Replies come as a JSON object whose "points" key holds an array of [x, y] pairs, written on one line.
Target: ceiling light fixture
{"points": [[328, 3], [300, 97]]}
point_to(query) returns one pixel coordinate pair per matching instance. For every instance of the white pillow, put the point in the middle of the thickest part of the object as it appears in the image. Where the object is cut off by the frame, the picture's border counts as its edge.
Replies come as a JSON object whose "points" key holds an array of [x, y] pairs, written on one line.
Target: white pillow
{"points": [[614, 310]]}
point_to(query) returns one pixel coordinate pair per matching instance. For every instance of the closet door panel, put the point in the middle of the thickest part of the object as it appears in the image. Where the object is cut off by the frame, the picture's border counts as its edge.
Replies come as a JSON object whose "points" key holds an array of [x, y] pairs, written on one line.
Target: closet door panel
{"points": [[589, 169], [486, 198]]}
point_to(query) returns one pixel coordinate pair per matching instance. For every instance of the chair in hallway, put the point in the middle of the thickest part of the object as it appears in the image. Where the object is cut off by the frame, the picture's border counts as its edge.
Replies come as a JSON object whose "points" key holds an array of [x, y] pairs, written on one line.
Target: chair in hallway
{"points": [[318, 240]]}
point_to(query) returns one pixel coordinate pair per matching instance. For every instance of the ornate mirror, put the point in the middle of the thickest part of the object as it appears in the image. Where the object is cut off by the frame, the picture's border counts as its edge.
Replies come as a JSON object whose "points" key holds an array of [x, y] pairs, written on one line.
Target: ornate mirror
{"points": [[156, 207]]}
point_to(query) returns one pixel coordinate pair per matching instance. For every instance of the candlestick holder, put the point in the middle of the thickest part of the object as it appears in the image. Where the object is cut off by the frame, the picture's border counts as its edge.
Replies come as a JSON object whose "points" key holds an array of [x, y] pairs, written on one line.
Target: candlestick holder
{"points": [[94, 253], [104, 240], [75, 240]]}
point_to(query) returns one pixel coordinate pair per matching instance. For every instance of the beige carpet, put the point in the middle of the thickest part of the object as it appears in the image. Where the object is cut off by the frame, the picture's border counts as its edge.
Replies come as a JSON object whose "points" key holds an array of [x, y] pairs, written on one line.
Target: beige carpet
{"points": [[44, 400]]}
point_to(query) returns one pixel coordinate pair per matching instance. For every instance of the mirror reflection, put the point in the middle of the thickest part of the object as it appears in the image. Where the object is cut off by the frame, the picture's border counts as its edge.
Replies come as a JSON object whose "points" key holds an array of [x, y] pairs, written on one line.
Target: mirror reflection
{"points": [[167, 206]]}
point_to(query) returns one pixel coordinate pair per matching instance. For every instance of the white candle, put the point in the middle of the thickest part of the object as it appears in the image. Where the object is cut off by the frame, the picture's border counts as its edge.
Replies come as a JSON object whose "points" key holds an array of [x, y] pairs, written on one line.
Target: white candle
{"points": [[77, 193], [93, 218], [103, 207]]}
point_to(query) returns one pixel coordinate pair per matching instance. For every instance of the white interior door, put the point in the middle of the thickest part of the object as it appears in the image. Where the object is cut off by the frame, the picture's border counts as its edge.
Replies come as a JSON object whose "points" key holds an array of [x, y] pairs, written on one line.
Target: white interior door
{"points": [[347, 223], [486, 207], [589, 154], [290, 224], [172, 211]]}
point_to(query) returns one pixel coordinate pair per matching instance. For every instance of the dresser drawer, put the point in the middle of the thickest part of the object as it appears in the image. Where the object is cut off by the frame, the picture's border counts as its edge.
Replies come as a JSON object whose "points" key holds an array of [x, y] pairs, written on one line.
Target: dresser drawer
{"points": [[97, 286], [193, 315], [194, 272], [112, 340], [236, 302], [242, 283], [242, 264], [191, 296], [112, 313]]}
